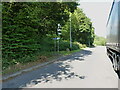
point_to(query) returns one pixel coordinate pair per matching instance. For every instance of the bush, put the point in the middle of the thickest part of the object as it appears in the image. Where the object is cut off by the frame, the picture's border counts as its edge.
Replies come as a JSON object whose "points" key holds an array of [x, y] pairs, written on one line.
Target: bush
{"points": [[28, 54], [46, 44], [75, 46], [66, 44], [80, 45], [99, 41], [45, 47]]}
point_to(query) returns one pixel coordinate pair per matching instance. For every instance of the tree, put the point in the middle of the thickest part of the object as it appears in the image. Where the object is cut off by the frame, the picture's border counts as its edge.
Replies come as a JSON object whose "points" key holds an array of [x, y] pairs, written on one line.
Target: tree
{"points": [[82, 29], [29, 26]]}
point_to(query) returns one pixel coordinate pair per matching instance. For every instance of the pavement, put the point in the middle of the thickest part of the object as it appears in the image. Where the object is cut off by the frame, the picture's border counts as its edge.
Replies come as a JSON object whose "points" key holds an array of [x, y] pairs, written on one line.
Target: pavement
{"points": [[90, 68]]}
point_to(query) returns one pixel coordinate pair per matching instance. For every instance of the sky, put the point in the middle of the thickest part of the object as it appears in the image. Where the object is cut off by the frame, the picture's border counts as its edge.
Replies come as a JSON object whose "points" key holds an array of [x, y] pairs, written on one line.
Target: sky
{"points": [[98, 12]]}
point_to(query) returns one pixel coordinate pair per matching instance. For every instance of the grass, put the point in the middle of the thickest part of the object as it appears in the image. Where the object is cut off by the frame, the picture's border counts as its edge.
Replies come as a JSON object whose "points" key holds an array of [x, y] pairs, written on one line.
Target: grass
{"points": [[68, 52], [41, 58]]}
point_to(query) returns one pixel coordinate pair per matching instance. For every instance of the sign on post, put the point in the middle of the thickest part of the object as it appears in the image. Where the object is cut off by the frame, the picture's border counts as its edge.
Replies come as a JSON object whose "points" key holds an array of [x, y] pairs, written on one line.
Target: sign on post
{"points": [[56, 38]]}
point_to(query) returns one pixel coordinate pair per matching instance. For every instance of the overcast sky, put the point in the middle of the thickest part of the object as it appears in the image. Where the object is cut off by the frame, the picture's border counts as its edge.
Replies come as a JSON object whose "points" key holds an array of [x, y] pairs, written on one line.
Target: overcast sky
{"points": [[98, 12]]}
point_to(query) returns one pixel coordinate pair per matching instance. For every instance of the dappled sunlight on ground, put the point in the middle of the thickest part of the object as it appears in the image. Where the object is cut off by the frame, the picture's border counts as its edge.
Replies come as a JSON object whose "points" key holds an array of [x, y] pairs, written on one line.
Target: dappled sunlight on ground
{"points": [[89, 68], [61, 70]]}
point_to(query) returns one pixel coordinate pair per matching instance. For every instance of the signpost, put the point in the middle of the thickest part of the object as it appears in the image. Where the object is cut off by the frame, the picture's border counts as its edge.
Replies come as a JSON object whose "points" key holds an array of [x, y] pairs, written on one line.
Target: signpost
{"points": [[70, 34], [59, 33], [57, 38]]}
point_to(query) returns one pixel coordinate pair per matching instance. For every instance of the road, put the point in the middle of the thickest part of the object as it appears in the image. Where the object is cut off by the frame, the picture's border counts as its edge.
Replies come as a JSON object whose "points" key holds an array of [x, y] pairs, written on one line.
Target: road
{"points": [[89, 68]]}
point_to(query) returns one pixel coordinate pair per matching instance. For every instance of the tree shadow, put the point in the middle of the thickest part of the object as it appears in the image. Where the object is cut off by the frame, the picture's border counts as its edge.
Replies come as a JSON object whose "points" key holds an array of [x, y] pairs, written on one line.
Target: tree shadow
{"points": [[57, 71]]}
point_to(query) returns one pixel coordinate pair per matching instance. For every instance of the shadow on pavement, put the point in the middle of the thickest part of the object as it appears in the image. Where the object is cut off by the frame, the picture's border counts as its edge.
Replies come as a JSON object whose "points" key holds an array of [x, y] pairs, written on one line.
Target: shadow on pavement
{"points": [[57, 71]]}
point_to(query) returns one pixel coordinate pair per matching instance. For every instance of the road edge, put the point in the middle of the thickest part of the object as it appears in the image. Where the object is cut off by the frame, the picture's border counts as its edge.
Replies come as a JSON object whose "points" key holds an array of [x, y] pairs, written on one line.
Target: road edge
{"points": [[7, 77]]}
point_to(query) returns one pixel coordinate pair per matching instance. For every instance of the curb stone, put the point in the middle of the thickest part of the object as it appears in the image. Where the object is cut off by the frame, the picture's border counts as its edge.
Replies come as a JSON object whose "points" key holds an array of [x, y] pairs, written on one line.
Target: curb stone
{"points": [[4, 78]]}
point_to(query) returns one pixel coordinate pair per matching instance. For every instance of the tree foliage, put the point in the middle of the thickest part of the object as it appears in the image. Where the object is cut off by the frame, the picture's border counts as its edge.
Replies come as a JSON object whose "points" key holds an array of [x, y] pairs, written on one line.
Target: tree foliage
{"points": [[28, 28], [99, 41], [82, 29]]}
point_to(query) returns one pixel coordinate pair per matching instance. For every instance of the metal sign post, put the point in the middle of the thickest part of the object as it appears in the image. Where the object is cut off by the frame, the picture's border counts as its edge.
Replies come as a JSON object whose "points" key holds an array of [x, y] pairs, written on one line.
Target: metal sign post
{"points": [[55, 44], [70, 34], [58, 45], [59, 33]]}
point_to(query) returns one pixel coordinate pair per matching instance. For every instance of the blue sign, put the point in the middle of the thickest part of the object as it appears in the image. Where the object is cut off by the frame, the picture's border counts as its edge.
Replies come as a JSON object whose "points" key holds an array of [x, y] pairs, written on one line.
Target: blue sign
{"points": [[55, 38]]}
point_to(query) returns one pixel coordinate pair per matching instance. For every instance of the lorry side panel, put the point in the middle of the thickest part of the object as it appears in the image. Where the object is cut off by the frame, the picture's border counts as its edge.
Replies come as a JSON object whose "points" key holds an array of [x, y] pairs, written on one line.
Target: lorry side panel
{"points": [[119, 25], [113, 36], [113, 29]]}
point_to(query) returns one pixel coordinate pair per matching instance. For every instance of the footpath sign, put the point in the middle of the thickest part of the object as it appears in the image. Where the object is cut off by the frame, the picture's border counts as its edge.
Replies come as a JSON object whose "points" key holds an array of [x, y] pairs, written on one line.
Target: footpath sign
{"points": [[56, 38]]}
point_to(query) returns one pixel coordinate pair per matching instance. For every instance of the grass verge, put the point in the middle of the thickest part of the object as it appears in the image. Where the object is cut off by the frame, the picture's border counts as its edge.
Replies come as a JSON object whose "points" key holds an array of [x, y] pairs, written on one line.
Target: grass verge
{"points": [[42, 58]]}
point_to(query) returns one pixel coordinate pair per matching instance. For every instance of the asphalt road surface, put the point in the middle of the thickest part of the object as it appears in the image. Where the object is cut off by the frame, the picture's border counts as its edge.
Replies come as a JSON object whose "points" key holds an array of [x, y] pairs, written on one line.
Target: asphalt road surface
{"points": [[89, 68]]}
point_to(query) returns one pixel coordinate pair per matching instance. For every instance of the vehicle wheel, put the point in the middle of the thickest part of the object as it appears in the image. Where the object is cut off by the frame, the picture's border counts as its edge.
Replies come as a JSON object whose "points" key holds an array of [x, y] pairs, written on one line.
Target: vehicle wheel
{"points": [[118, 67], [115, 64]]}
